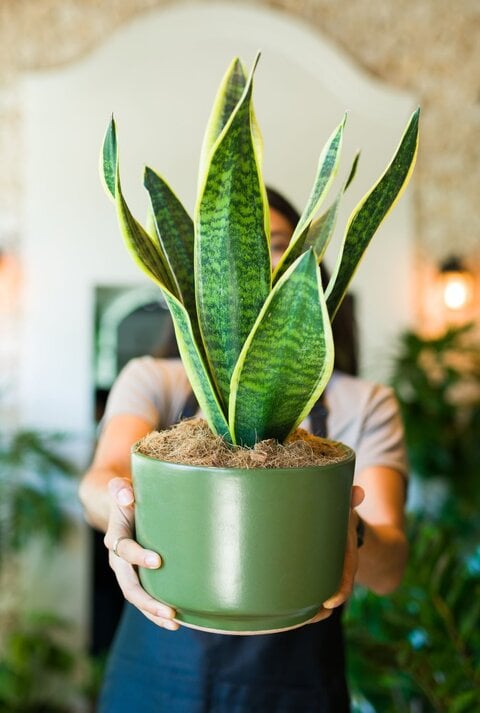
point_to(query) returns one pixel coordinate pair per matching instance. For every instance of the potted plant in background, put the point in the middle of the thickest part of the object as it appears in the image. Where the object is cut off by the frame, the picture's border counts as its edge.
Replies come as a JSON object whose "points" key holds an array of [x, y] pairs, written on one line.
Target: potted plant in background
{"points": [[40, 670], [247, 548]]}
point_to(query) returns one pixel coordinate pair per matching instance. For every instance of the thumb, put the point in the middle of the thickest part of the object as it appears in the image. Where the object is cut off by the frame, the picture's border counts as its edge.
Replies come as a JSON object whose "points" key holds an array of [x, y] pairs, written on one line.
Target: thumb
{"points": [[358, 496], [121, 491]]}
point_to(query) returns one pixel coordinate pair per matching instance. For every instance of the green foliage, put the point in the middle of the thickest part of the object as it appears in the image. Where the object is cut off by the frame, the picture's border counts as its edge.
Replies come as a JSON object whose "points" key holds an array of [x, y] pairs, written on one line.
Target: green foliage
{"points": [[419, 649], [38, 672], [32, 473], [215, 272], [437, 382]]}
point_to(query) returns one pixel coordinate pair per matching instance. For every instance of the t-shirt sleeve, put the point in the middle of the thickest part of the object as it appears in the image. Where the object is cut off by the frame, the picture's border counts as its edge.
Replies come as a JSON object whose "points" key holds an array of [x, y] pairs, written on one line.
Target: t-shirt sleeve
{"points": [[381, 440], [139, 390]]}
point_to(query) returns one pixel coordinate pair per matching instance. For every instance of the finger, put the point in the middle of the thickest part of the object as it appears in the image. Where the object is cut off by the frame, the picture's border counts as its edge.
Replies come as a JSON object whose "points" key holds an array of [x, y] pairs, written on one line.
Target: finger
{"points": [[346, 585], [358, 496], [165, 623], [134, 592], [338, 599], [121, 520], [350, 565], [321, 615], [133, 553], [121, 491]]}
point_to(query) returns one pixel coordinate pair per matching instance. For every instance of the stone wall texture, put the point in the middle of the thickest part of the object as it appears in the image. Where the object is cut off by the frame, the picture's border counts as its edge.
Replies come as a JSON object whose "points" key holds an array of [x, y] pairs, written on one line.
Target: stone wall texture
{"points": [[429, 47]]}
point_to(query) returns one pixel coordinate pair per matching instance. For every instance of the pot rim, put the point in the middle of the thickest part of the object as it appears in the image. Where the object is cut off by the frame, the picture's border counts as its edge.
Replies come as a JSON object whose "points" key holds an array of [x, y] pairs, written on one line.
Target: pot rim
{"points": [[181, 467]]}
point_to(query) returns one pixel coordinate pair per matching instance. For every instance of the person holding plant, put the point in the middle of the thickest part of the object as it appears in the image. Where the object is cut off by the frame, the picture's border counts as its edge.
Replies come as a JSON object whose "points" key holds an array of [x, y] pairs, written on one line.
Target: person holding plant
{"points": [[157, 666], [245, 334]]}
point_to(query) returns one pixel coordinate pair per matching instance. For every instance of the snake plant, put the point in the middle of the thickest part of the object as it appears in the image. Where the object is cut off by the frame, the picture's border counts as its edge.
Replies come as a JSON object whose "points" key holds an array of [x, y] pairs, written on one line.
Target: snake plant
{"points": [[257, 346]]}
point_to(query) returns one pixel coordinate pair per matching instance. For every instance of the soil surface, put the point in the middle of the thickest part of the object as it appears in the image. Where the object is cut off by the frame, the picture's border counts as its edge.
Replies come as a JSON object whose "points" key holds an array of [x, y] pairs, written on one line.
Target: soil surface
{"points": [[192, 442]]}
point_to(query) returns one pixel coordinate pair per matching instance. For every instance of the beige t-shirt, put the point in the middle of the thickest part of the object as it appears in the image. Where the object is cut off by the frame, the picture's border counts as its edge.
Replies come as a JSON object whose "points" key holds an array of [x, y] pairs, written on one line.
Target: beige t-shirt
{"points": [[361, 414]]}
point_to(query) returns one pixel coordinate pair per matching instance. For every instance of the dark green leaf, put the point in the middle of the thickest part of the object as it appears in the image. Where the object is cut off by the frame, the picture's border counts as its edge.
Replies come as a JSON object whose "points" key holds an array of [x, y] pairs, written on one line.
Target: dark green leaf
{"points": [[370, 212], [228, 96], [287, 359], [233, 271], [108, 159], [174, 230]]}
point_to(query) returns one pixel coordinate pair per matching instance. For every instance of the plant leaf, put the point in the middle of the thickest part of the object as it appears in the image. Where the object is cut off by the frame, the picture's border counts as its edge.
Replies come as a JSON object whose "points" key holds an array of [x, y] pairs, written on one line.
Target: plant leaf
{"points": [[232, 256], [146, 251], [139, 243], [136, 240], [174, 231], [353, 170], [371, 211], [147, 255], [228, 96], [326, 172], [198, 375], [287, 359], [108, 159], [317, 233]]}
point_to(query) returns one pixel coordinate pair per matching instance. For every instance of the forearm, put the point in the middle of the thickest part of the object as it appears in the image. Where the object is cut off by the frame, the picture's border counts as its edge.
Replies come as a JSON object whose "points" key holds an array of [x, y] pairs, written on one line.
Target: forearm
{"points": [[382, 558], [112, 460]]}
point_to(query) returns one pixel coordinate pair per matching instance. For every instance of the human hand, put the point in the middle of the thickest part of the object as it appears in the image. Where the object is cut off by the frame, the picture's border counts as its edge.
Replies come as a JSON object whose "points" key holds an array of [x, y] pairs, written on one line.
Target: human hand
{"points": [[125, 553], [350, 564]]}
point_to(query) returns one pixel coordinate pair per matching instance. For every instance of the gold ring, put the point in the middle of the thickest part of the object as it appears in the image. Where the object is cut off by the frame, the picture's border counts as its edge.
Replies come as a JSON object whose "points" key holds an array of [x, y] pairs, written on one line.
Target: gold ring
{"points": [[117, 542]]}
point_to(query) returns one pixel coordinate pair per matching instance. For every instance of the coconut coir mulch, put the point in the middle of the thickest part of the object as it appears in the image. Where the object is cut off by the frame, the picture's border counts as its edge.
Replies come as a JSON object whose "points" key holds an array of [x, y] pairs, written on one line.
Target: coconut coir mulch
{"points": [[192, 442]]}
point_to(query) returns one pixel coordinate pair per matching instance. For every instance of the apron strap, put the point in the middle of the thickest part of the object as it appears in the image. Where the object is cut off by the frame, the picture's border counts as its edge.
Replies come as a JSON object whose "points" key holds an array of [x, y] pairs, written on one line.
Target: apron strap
{"points": [[318, 418], [190, 407]]}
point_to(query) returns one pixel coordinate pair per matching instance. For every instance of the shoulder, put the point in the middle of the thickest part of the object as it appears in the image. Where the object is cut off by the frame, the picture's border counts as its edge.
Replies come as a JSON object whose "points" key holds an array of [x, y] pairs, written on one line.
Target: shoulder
{"points": [[152, 388], [366, 416], [345, 385], [150, 367], [353, 398]]}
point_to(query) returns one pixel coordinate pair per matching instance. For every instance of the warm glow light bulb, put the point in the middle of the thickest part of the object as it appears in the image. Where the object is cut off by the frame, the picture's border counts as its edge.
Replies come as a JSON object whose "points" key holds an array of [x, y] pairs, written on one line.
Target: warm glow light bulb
{"points": [[456, 291]]}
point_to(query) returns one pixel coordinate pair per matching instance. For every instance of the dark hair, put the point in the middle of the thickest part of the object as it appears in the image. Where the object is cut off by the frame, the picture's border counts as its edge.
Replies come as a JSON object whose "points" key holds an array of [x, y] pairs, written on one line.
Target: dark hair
{"points": [[344, 326]]}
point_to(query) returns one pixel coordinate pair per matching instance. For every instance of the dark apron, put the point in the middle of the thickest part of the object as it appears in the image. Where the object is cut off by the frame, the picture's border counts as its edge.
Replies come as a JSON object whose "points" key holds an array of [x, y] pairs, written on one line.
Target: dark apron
{"points": [[152, 670]]}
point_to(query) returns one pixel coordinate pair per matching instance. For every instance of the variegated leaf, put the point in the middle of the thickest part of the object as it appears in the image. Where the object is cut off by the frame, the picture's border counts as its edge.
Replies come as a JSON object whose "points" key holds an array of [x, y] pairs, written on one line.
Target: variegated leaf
{"points": [[142, 250], [232, 258], [287, 359], [197, 371], [139, 243], [370, 213], [228, 96], [147, 254], [108, 159], [326, 172], [317, 233], [174, 231]]}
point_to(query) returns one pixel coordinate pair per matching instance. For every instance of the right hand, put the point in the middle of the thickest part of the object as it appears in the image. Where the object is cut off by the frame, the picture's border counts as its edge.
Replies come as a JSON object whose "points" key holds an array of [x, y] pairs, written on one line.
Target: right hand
{"points": [[131, 554]]}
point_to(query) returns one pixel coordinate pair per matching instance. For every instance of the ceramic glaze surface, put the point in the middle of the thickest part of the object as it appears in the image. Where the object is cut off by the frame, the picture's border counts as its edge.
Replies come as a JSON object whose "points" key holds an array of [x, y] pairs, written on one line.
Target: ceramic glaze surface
{"points": [[243, 550]]}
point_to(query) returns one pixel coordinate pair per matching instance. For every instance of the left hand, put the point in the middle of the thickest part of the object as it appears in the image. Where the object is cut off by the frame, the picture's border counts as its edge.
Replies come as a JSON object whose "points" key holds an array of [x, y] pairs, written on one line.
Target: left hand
{"points": [[350, 564]]}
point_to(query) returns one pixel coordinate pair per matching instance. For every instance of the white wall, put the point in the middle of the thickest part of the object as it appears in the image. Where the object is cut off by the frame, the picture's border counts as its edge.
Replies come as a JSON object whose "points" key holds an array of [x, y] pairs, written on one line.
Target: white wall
{"points": [[159, 75]]}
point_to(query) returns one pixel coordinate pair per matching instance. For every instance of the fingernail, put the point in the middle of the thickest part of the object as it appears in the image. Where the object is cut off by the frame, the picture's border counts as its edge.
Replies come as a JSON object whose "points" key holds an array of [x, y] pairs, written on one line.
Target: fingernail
{"points": [[172, 625], [334, 602], [124, 497], [165, 612], [152, 560], [330, 603]]}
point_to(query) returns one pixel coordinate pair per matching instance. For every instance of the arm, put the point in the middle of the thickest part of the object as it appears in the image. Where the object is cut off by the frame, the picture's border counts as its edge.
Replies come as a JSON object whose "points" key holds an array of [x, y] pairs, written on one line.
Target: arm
{"points": [[380, 562], [378, 496], [107, 496], [112, 459], [383, 556]]}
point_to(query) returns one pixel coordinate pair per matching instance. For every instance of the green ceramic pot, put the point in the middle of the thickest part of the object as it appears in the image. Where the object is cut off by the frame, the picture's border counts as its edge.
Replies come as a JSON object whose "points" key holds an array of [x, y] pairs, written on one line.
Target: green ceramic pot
{"points": [[244, 551]]}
